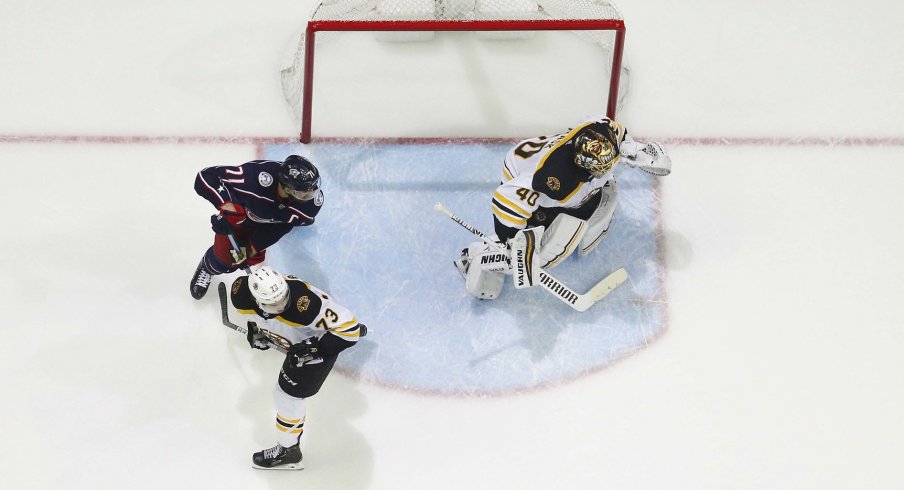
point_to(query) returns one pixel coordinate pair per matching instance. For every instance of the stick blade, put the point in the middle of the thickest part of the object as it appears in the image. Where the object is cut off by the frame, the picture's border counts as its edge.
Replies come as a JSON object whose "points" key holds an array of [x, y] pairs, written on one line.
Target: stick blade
{"points": [[602, 289]]}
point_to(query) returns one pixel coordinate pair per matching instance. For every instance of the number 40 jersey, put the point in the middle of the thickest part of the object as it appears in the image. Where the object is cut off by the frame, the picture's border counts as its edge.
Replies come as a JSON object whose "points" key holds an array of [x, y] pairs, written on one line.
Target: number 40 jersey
{"points": [[540, 173]]}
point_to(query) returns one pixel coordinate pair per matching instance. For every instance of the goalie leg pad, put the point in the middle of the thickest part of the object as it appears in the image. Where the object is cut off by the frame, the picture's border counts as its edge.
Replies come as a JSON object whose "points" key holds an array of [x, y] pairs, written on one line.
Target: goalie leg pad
{"points": [[525, 262], [598, 224], [560, 240]]}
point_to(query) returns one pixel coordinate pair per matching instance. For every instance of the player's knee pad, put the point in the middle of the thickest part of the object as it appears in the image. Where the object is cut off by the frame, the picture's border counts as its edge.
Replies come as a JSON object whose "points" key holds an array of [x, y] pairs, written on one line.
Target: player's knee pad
{"points": [[598, 224], [560, 240]]}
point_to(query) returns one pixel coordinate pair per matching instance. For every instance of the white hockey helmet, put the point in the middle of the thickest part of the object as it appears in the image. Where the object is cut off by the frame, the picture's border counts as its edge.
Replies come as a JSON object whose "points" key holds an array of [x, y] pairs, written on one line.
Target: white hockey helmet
{"points": [[270, 290]]}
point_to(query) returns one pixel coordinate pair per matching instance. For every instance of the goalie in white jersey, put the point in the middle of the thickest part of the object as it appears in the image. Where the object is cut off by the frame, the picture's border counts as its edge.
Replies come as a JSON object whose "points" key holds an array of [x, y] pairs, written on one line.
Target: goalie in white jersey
{"points": [[562, 186]]}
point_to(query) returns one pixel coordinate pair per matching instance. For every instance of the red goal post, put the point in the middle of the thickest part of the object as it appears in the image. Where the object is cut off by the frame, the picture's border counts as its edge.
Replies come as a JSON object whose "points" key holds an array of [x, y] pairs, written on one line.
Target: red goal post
{"points": [[583, 21]]}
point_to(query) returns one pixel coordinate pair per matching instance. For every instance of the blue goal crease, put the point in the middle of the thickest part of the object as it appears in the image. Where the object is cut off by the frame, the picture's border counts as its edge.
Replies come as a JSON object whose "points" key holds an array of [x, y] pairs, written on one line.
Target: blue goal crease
{"points": [[380, 248]]}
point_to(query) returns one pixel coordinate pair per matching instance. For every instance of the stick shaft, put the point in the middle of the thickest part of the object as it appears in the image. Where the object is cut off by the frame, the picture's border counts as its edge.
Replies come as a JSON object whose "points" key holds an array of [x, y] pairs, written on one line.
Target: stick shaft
{"points": [[238, 251]]}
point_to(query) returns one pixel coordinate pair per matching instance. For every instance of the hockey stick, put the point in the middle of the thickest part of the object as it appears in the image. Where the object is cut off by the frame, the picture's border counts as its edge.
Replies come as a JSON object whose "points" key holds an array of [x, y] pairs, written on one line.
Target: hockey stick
{"points": [[279, 343], [236, 252], [579, 302]]}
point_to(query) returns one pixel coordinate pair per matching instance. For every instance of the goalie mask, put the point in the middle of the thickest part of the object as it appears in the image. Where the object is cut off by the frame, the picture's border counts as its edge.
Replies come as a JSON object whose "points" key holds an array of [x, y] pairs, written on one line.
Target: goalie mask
{"points": [[595, 152], [270, 290], [299, 177]]}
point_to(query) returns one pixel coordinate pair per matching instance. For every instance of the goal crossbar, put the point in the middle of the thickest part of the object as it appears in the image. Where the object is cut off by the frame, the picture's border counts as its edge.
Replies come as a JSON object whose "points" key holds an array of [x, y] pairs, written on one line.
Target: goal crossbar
{"points": [[314, 26]]}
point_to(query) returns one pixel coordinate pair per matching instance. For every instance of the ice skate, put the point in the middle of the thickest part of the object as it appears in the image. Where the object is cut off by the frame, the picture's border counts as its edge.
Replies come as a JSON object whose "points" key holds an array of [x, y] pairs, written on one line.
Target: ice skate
{"points": [[200, 281], [278, 458]]}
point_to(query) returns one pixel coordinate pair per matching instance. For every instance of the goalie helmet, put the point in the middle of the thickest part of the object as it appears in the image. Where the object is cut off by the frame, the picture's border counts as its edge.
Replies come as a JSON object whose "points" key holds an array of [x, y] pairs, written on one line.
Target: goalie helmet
{"points": [[299, 177], [270, 290], [596, 152]]}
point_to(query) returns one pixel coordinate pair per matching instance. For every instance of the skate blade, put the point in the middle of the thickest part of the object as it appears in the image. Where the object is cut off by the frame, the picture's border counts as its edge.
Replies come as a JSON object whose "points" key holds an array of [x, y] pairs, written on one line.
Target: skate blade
{"points": [[290, 466]]}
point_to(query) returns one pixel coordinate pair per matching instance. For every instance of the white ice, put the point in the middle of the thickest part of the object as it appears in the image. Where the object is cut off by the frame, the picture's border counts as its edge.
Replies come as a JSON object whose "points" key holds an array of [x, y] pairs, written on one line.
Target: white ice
{"points": [[780, 366]]}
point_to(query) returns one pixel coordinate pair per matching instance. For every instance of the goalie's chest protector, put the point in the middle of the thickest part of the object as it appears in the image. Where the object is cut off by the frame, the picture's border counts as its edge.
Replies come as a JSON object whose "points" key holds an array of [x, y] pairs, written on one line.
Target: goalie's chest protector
{"points": [[559, 179]]}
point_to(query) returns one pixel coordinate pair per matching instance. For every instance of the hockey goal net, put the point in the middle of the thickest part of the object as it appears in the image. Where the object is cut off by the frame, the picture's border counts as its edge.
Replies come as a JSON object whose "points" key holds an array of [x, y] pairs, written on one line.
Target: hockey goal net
{"points": [[597, 22]]}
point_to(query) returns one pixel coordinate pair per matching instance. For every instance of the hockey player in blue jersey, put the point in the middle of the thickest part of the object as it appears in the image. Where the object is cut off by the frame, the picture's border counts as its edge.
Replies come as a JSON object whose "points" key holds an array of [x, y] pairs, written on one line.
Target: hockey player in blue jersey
{"points": [[258, 202]]}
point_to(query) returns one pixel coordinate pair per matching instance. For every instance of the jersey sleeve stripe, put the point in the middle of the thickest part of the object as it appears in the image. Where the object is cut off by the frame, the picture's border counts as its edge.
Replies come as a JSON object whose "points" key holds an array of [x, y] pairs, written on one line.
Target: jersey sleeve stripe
{"points": [[507, 210], [211, 188], [506, 172], [515, 209], [505, 216], [299, 212], [255, 195], [347, 329]]}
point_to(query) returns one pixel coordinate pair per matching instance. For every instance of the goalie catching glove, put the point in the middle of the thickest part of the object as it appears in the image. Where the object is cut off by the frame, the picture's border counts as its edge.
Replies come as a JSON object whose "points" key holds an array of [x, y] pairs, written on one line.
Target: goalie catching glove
{"points": [[652, 159]]}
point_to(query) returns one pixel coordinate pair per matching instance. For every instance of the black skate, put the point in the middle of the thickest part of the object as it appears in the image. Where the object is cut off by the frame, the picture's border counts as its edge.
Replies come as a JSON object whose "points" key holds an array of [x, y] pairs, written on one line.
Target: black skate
{"points": [[200, 281], [278, 458]]}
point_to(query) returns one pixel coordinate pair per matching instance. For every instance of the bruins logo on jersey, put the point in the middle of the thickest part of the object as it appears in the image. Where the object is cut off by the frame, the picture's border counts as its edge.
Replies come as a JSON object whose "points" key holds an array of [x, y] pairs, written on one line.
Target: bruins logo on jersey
{"points": [[237, 284], [553, 183], [303, 303]]}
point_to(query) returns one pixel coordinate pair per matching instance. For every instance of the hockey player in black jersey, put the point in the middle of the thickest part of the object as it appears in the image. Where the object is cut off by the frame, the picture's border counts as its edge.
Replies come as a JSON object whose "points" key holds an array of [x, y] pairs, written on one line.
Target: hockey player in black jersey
{"points": [[317, 328], [258, 203], [562, 185]]}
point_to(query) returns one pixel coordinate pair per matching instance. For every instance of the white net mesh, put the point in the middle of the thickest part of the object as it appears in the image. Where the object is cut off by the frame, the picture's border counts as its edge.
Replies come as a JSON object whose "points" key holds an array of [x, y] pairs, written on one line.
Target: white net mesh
{"points": [[292, 69], [464, 9]]}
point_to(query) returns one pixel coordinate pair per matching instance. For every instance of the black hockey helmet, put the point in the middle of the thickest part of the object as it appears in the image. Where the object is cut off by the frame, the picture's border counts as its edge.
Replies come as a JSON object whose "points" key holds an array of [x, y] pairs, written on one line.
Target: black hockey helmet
{"points": [[597, 152], [298, 174]]}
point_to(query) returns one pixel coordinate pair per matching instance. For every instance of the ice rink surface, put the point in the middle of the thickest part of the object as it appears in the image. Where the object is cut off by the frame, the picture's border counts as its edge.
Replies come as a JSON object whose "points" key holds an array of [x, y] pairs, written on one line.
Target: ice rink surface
{"points": [[757, 345]]}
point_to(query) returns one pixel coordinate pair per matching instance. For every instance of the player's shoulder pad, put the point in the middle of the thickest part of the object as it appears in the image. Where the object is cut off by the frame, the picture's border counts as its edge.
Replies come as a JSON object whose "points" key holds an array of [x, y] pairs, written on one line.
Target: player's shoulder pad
{"points": [[263, 172], [305, 304], [241, 295]]}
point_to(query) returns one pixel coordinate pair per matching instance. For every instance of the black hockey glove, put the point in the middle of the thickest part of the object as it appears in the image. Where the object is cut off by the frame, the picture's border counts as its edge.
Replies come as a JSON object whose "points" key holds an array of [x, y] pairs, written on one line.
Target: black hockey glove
{"points": [[220, 225], [306, 352], [256, 339]]}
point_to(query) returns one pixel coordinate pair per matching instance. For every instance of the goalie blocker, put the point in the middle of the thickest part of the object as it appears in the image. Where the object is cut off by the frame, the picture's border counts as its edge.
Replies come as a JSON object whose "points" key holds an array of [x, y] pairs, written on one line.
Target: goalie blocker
{"points": [[485, 267]]}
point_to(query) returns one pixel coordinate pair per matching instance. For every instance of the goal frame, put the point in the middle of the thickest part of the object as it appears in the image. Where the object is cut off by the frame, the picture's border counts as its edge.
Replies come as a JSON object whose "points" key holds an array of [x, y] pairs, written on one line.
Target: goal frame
{"points": [[315, 26]]}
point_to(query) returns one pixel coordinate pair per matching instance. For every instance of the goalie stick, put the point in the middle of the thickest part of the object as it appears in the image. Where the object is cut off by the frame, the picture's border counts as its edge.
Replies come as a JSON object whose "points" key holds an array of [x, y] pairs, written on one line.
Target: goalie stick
{"points": [[279, 343], [579, 302]]}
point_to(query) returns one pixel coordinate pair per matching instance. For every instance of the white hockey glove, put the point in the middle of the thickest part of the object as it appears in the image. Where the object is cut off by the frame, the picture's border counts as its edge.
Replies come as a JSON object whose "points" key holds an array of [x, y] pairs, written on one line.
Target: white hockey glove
{"points": [[652, 159]]}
